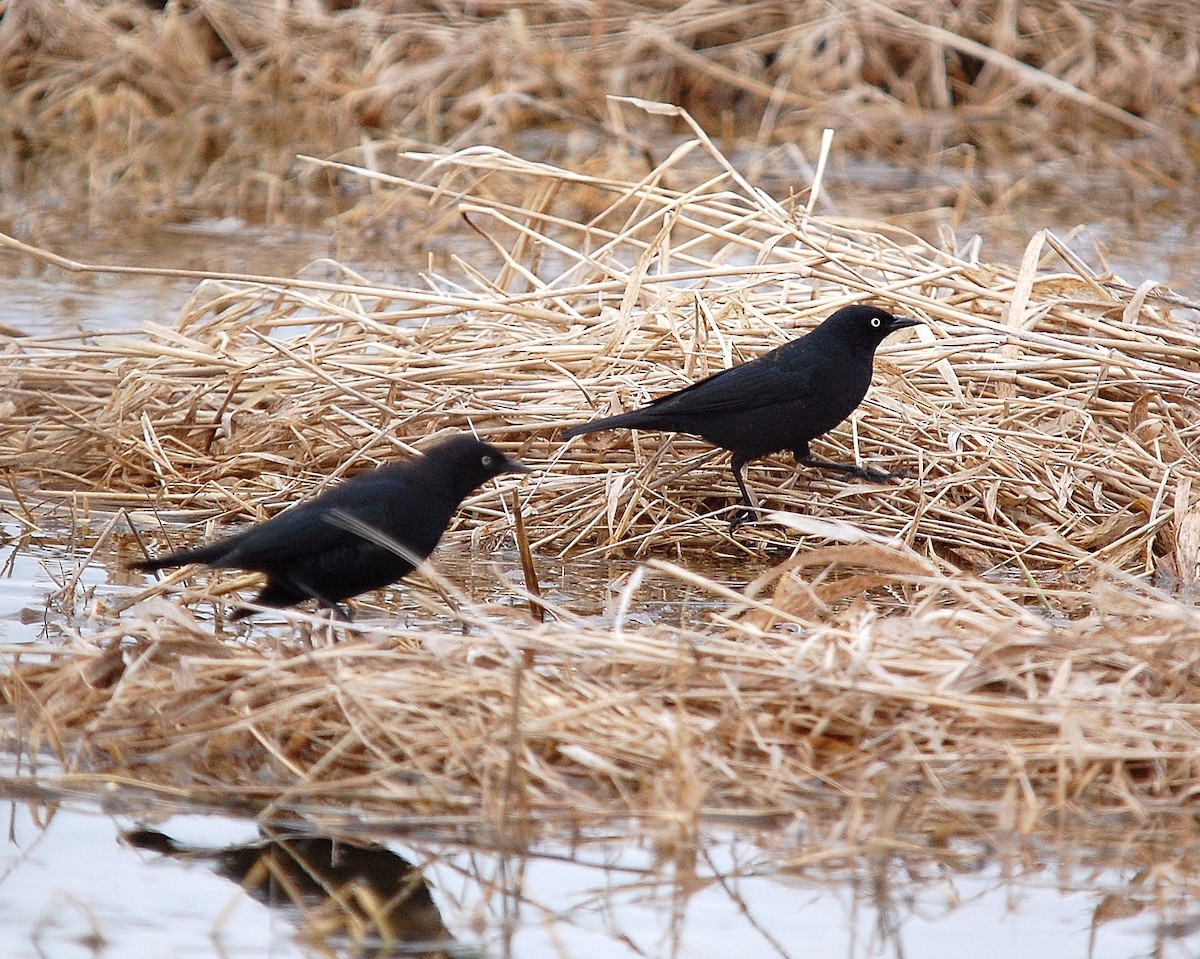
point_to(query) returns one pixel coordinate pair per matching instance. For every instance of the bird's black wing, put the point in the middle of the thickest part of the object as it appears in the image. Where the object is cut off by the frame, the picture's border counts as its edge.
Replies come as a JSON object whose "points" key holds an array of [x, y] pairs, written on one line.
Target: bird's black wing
{"points": [[768, 381], [313, 527]]}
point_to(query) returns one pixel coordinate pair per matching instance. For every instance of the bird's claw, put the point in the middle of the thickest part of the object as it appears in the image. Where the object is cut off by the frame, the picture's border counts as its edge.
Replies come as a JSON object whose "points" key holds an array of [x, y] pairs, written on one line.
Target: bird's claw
{"points": [[740, 515]]}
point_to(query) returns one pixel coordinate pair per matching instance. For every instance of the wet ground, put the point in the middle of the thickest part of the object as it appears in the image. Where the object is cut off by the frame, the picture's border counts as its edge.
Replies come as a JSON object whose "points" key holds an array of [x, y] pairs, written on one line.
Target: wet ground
{"points": [[125, 874]]}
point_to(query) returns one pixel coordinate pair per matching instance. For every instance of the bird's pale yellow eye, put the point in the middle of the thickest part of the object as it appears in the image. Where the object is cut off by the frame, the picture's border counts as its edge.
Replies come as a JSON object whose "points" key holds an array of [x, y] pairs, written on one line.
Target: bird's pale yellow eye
{"points": [[489, 461], [875, 321]]}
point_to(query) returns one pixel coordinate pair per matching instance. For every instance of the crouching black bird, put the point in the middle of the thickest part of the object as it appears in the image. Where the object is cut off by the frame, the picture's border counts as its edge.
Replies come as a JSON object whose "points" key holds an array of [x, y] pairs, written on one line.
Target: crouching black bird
{"points": [[780, 401], [364, 534]]}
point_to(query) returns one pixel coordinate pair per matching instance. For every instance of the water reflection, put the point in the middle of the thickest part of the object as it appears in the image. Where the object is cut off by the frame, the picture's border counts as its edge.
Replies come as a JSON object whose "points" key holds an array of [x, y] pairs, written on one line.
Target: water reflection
{"points": [[337, 890], [72, 882]]}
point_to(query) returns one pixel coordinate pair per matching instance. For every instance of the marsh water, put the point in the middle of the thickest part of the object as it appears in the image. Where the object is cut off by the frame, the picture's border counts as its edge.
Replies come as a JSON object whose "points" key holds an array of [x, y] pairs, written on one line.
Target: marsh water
{"points": [[130, 873], [85, 880]]}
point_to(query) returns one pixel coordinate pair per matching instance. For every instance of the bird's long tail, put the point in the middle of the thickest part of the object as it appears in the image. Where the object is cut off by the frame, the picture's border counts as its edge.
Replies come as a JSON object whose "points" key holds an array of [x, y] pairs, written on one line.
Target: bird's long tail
{"points": [[202, 554], [634, 419]]}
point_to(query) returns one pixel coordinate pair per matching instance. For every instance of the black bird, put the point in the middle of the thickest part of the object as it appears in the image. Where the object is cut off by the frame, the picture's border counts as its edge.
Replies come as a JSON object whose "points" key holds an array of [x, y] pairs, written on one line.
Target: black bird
{"points": [[780, 401], [361, 535]]}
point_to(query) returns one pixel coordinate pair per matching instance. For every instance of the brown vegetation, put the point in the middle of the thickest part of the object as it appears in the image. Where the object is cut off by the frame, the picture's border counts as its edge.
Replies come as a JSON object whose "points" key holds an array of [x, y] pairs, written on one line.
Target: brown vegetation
{"points": [[993, 641], [183, 108]]}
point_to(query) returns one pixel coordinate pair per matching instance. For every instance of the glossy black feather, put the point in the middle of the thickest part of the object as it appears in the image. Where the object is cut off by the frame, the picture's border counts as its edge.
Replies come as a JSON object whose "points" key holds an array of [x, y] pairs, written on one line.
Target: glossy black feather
{"points": [[366, 533], [780, 401]]}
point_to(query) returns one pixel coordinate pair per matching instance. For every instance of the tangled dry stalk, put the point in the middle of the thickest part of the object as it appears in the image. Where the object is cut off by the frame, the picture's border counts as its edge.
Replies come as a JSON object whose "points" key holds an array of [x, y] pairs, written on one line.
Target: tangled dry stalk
{"points": [[1002, 641], [200, 108]]}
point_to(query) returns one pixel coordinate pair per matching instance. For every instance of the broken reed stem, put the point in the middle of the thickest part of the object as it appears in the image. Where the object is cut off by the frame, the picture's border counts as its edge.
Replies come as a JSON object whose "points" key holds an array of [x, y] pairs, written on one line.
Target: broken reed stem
{"points": [[528, 569]]}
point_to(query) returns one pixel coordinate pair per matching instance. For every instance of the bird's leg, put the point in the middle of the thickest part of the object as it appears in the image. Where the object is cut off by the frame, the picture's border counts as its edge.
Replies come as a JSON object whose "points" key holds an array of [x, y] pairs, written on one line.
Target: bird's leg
{"points": [[749, 511], [339, 611]]}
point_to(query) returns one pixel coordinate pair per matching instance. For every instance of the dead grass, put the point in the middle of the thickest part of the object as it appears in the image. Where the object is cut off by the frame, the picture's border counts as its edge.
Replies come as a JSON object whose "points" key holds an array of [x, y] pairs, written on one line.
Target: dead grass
{"points": [[1048, 412], [961, 711], [201, 108], [990, 645]]}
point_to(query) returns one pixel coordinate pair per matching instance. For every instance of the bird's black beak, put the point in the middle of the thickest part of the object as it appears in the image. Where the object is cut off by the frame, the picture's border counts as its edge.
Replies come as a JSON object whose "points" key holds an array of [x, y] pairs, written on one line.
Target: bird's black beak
{"points": [[512, 466], [900, 322]]}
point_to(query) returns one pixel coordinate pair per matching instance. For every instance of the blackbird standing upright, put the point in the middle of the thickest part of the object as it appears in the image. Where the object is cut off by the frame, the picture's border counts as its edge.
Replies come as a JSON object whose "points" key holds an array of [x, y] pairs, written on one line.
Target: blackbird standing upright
{"points": [[361, 535], [780, 401]]}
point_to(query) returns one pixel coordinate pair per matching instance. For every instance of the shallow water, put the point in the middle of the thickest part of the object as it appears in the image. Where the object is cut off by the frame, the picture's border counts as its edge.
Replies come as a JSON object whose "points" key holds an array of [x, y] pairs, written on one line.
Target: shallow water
{"points": [[71, 886], [1148, 237], [72, 883]]}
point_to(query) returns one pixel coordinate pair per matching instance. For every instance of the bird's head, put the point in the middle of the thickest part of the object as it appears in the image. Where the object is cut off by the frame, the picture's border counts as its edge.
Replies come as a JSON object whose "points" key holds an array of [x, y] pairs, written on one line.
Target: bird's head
{"points": [[864, 327], [463, 463]]}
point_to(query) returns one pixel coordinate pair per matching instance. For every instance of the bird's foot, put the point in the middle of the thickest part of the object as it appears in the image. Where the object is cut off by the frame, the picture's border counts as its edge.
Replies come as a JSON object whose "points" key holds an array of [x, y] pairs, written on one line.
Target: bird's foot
{"points": [[881, 476], [740, 515], [856, 470]]}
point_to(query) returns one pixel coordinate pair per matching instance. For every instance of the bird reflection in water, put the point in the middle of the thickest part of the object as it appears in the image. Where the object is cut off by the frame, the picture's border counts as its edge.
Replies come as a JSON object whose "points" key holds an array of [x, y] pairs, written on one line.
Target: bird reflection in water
{"points": [[343, 891]]}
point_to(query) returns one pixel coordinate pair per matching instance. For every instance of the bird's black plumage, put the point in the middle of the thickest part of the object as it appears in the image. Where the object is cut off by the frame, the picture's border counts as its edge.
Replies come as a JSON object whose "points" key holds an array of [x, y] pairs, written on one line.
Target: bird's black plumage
{"points": [[363, 534], [780, 401]]}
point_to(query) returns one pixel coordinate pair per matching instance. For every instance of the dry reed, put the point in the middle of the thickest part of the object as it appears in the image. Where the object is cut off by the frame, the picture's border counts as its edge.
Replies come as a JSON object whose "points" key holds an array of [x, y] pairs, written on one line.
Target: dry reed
{"points": [[984, 644], [201, 108]]}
